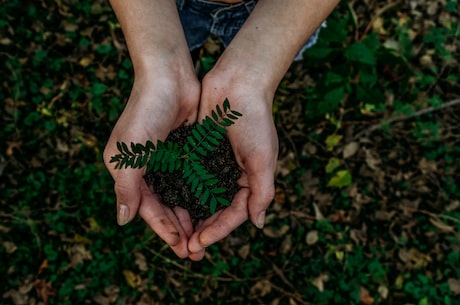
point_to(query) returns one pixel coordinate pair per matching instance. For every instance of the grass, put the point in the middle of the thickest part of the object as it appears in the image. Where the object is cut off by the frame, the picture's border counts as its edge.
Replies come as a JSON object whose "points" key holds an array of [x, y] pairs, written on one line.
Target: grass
{"points": [[367, 208]]}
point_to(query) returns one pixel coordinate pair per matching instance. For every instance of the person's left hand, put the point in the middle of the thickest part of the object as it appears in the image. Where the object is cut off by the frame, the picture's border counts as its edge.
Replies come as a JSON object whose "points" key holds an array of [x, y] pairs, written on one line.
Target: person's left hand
{"points": [[255, 144]]}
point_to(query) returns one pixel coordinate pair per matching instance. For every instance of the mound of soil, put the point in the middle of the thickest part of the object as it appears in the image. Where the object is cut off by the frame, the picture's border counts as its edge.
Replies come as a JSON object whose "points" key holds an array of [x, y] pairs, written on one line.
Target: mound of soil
{"points": [[174, 191]]}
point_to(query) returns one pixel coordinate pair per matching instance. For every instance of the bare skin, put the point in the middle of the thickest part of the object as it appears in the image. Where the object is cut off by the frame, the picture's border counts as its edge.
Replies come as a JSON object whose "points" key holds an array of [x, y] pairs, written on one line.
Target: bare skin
{"points": [[167, 94]]}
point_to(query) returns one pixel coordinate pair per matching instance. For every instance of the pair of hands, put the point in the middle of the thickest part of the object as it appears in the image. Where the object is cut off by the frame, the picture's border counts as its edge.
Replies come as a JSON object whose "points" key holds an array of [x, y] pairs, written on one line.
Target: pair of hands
{"points": [[164, 99]]}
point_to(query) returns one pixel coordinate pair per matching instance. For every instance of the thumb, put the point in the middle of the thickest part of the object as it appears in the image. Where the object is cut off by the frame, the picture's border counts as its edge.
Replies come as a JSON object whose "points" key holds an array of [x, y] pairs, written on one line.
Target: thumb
{"points": [[261, 181], [127, 190], [262, 193]]}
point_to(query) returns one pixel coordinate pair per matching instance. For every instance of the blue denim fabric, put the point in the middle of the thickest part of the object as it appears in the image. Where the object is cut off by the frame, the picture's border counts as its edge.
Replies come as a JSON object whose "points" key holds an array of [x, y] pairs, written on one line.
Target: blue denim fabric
{"points": [[202, 19]]}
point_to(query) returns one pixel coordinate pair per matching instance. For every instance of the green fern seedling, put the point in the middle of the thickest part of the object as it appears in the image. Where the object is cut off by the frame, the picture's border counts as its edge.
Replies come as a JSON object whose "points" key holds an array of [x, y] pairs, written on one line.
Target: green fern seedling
{"points": [[169, 156]]}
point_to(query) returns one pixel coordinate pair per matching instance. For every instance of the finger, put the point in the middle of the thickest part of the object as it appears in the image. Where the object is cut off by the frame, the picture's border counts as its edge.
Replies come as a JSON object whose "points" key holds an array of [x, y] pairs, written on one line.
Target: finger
{"points": [[128, 194], [262, 186], [197, 256], [164, 222], [221, 224], [184, 219]]}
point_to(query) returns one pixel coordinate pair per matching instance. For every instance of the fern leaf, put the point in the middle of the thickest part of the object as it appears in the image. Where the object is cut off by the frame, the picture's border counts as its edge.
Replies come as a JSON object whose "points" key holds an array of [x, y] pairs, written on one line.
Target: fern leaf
{"points": [[199, 190], [125, 149], [232, 116], [144, 159], [211, 182], [194, 185], [223, 201], [213, 205], [171, 166], [215, 116], [207, 146], [226, 122], [201, 129], [236, 113], [204, 198], [136, 148], [196, 134], [201, 151], [219, 111], [213, 140], [226, 105], [119, 147], [217, 135], [149, 146], [218, 190], [191, 140]]}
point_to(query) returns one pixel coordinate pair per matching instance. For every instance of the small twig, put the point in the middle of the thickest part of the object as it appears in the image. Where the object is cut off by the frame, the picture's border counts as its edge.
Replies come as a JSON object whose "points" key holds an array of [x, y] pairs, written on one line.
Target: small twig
{"points": [[447, 217], [231, 278], [378, 14], [401, 118]]}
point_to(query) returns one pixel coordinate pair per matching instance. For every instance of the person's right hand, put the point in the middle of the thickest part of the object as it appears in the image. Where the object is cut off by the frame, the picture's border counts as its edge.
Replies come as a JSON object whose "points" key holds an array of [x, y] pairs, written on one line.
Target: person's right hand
{"points": [[159, 102]]}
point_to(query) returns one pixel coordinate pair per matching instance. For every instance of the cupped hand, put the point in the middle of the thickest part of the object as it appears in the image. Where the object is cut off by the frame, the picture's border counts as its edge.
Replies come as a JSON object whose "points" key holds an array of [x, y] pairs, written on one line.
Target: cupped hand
{"points": [[156, 106], [255, 144]]}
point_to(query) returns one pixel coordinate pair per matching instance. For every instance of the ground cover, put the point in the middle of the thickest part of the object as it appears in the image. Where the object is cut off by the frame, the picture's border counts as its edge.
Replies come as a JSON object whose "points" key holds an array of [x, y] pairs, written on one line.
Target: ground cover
{"points": [[367, 208]]}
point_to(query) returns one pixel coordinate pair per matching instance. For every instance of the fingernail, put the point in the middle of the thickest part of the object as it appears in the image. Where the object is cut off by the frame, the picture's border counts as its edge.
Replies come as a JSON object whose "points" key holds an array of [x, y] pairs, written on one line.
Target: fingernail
{"points": [[123, 214], [260, 220]]}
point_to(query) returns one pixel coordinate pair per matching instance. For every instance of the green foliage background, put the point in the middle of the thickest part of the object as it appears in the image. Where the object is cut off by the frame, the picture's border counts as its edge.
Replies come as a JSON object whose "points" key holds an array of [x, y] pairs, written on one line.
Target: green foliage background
{"points": [[367, 207]]}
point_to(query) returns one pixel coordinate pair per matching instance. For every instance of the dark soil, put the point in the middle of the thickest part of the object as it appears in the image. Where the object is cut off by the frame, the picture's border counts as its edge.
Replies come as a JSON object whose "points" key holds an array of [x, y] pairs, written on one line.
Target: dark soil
{"points": [[175, 192]]}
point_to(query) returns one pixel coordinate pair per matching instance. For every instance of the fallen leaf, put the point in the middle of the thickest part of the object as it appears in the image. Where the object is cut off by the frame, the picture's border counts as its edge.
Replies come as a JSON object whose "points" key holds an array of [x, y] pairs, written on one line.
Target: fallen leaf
{"points": [[273, 232], [140, 261], [332, 141], [132, 279], [44, 290], [312, 237], [318, 215], [286, 245], [441, 225], [341, 179], [332, 164], [319, 281], [43, 266], [243, 252], [454, 285], [350, 149], [383, 291], [9, 246], [261, 288], [365, 297]]}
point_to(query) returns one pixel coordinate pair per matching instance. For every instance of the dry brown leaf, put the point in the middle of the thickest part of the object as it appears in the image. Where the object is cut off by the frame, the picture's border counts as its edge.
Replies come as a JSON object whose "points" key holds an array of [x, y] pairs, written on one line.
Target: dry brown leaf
{"points": [[372, 159], [350, 149], [312, 237], [101, 300], [441, 225], [318, 215], [17, 298], [44, 290], [280, 196], [319, 281], [261, 288], [140, 261], [383, 291], [273, 232], [132, 279], [43, 266], [243, 252], [454, 285], [286, 245], [9, 246], [12, 146], [365, 297]]}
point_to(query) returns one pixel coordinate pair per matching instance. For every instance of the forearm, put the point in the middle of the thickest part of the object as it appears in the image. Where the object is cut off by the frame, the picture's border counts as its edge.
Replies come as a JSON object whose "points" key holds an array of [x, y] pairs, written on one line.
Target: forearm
{"points": [[271, 37], [153, 34]]}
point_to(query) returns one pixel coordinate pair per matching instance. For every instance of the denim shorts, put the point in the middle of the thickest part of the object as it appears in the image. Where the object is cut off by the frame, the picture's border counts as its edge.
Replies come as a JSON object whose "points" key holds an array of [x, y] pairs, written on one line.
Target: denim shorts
{"points": [[202, 19]]}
